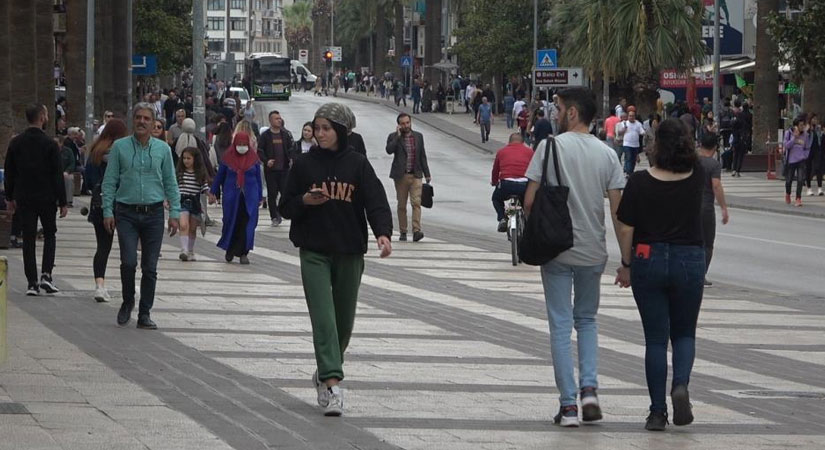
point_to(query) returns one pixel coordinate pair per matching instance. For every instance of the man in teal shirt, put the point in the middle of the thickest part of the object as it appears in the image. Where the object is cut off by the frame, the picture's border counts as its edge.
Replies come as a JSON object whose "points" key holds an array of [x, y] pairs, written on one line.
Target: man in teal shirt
{"points": [[139, 177]]}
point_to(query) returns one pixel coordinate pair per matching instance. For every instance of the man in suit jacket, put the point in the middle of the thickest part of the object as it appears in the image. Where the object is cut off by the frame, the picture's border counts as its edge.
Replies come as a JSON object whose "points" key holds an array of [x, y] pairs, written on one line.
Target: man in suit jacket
{"points": [[409, 166]]}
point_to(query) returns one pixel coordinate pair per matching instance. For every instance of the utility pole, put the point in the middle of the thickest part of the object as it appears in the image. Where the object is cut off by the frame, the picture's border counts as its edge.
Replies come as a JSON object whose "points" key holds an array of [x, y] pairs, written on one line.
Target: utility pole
{"points": [[129, 50], [198, 69], [535, 46], [332, 31], [90, 69], [716, 59]]}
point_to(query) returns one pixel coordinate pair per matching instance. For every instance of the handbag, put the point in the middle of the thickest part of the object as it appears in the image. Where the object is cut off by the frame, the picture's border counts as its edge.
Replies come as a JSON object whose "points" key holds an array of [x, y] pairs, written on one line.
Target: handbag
{"points": [[549, 229], [427, 195]]}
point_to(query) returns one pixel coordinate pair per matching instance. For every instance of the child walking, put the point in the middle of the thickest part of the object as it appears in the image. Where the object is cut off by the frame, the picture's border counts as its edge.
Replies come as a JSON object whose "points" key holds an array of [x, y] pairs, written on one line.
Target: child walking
{"points": [[192, 181]]}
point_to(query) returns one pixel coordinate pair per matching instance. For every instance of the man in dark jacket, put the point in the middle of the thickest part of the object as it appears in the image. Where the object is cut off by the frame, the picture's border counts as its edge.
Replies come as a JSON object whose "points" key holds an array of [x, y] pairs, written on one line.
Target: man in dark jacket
{"points": [[409, 166], [273, 149], [34, 190]]}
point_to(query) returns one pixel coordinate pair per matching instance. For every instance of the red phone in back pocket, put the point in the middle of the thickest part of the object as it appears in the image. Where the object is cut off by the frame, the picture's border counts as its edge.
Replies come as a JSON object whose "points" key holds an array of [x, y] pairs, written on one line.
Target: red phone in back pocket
{"points": [[643, 251]]}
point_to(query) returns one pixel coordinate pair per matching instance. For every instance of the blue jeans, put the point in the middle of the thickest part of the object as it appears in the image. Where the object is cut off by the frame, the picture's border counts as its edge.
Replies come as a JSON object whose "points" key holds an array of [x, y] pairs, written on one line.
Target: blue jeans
{"points": [[668, 289], [146, 227], [510, 120], [559, 279], [630, 154], [504, 191]]}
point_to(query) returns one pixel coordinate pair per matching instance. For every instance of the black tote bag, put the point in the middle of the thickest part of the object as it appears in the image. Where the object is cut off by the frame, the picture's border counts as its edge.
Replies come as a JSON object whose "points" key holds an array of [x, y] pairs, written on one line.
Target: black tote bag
{"points": [[549, 229]]}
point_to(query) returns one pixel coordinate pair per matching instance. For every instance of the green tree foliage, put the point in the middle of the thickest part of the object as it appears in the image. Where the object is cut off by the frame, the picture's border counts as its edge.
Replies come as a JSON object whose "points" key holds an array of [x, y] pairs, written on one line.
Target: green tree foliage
{"points": [[798, 37], [164, 28], [298, 18], [496, 36]]}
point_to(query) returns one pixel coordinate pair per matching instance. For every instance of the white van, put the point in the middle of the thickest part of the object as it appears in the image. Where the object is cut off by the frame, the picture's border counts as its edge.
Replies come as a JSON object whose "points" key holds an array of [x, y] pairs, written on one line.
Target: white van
{"points": [[300, 69]]}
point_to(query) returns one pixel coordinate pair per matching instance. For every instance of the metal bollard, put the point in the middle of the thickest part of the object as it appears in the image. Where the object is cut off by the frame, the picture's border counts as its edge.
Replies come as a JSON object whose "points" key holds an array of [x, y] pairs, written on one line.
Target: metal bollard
{"points": [[4, 266]]}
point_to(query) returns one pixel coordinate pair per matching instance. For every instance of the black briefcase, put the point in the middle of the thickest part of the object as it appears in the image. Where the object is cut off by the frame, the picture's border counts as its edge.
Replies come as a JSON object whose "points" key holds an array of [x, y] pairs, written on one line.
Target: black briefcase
{"points": [[427, 195]]}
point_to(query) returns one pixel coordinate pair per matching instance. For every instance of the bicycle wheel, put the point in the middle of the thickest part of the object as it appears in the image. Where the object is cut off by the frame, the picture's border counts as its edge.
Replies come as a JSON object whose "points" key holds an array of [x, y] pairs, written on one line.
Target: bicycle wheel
{"points": [[515, 236]]}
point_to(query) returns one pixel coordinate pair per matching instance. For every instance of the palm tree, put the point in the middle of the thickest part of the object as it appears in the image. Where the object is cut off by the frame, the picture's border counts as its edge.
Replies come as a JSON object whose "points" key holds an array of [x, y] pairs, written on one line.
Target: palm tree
{"points": [[5, 81], [631, 40], [320, 34], [104, 91], [766, 106], [355, 21], [22, 45], [398, 33], [298, 21]]}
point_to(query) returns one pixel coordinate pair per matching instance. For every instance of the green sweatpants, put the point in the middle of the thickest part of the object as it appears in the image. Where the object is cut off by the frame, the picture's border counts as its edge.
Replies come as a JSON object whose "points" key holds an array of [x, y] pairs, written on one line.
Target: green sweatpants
{"points": [[331, 284]]}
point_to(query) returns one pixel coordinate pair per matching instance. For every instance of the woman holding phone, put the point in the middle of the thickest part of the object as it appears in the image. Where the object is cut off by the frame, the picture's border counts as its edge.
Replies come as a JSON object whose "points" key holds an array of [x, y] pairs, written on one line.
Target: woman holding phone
{"points": [[663, 259], [239, 178], [331, 194]]}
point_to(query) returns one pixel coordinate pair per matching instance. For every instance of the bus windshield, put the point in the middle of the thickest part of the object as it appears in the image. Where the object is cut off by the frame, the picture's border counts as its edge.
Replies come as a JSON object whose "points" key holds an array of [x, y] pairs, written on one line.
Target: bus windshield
{"points": [[272, 69]]}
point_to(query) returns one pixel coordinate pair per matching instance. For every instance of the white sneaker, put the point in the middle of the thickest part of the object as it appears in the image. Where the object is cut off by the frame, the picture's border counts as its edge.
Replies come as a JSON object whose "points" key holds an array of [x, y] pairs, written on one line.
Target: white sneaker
{"points": [[191, 256], [102, 295], [820, 193], [321, 388], [810, 192], [335, 407]]}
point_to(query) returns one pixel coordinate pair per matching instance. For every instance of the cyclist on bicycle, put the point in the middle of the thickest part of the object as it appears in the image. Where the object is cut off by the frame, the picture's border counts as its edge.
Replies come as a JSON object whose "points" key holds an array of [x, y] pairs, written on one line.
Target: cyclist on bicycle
{"points": [[508, 175]]}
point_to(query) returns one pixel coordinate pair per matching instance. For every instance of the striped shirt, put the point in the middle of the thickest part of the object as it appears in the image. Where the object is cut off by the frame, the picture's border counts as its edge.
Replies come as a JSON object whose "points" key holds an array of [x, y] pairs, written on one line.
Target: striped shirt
{"points": [[188, 184]]}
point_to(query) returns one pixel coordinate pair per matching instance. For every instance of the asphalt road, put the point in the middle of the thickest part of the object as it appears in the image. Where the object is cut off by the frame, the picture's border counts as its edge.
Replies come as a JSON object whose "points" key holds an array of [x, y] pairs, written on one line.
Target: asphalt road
{"points": [[767, 251]]}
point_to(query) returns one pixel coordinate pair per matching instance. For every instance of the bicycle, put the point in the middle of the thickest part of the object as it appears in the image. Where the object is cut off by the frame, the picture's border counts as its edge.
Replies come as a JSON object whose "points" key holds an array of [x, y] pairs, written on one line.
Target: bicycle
{"points": [[515, 226]]}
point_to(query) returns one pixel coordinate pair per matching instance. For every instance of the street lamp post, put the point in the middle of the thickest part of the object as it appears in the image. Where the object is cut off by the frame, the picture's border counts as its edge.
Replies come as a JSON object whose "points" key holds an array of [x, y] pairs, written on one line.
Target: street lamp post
{"points": [[198, 68], [535, 45], [716, 58], [90, 68]]}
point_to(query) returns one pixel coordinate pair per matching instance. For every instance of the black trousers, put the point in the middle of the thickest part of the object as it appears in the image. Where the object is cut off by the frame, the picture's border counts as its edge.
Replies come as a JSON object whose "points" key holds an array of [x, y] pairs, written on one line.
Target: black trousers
{"points": [[739, 151], [708, 234], [813, 167], [795, 171], [29, 215], [237, 246], [104, 247], [275, 184]]}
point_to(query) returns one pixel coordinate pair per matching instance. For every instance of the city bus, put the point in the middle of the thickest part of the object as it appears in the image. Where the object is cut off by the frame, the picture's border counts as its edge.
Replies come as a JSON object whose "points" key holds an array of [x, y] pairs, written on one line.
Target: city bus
{"points": [[269, 76]]}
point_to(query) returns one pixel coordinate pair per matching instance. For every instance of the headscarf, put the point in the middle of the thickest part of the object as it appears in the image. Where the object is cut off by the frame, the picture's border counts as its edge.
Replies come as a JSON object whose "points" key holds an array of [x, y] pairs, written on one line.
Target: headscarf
{"points": [[237, 162], [337, 113], [187, 138]]}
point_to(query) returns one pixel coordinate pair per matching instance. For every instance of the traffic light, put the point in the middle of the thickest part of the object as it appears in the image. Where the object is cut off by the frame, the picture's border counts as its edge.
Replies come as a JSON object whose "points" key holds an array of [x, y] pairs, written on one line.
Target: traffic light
{"points": [[328, 56]]}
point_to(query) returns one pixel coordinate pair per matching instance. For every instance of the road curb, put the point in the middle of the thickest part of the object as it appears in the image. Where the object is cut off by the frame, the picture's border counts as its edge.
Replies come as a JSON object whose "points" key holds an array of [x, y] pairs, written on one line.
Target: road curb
{"points": [[788, 210], [464, 135]]}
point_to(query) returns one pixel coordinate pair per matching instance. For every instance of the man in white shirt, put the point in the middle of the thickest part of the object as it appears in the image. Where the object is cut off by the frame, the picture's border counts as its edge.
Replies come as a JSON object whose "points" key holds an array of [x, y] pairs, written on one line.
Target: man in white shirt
{"points": [[620, 108], [590, 169], [107, 115], [631, 131], [518, 106], [468, 96]]}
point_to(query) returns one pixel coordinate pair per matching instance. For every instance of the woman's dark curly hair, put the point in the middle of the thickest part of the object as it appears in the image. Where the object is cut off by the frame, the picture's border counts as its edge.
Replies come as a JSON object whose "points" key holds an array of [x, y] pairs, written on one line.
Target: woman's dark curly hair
{"points": [[674, 149]]}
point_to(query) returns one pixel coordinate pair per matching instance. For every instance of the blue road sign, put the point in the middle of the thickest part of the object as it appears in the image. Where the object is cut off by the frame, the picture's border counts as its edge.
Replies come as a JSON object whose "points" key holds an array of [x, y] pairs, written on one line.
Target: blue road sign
{"points": [[144, 64], [546, 59], [406, 61]]}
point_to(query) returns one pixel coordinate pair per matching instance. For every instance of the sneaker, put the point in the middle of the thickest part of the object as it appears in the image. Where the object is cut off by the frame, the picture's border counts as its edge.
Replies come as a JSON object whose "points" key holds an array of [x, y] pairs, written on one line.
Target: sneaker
{"points": [[820, 192], [335, 406], [244, 260], [656, 421], [682, 409], [798, 202], [810, 194], [707, 283], [591, 411], [568, 416], [321, 388], [47, 285], [402, 237], [502, 225], [788, 198], [183, 256], [191, 256], [33, 291], [417, 236], [276, 222], [102, 295]]}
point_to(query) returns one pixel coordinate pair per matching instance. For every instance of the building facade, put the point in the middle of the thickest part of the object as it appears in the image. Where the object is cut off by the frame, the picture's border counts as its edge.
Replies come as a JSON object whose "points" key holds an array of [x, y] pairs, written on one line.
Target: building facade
{"points": [[227, 36], [267, 26]]}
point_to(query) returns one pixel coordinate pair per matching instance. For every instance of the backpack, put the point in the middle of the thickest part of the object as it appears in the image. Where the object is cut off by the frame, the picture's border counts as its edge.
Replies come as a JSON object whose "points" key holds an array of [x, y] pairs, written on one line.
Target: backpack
{"points": [[726, 120]]}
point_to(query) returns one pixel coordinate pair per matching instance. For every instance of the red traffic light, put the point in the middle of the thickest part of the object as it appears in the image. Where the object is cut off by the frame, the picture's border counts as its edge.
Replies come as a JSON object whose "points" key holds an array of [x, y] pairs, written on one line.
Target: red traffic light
{"points": [[328, 55]]}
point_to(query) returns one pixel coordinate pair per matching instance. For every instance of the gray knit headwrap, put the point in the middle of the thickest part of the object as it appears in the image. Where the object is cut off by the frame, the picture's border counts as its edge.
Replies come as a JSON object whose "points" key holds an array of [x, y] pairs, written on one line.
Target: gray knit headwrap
{"points": [[337, 113]]}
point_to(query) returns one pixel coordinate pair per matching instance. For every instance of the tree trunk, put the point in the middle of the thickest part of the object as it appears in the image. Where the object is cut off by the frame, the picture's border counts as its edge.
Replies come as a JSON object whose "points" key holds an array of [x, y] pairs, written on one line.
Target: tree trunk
{"points": [[120, 61], [44, 59], [320, 36], [22, 48], [104, 91], [381, 38], [398, 32], [813, 95], [766, 102], [432, 41], [76, 62], [5, 81]]}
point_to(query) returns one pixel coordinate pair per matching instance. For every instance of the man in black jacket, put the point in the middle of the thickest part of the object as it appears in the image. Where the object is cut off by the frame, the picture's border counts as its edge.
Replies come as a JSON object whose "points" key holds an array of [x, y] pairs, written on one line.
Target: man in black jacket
{"points": [[409, 166], [34, 190], [273, 149]]}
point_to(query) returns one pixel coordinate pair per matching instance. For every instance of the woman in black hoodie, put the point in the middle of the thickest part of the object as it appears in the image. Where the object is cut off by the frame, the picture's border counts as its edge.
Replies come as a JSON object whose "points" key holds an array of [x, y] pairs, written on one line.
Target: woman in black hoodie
{"points": [[331, 194]]}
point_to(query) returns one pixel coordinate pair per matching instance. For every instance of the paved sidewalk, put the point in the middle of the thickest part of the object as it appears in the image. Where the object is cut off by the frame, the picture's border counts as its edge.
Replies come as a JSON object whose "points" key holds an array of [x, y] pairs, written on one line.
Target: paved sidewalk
{"points": [[751, 191]]}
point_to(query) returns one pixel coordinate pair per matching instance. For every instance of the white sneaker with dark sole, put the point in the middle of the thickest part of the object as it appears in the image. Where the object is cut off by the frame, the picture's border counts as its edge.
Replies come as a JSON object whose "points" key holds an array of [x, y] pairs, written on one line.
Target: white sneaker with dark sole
{"points": [[335, 407], [321, 388], [32, 291], [102, 295], [47, 285]]}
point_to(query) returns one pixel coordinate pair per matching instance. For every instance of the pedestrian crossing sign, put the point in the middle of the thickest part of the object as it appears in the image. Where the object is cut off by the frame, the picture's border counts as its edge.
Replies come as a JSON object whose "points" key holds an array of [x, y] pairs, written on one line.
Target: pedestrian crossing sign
{"points": [[546, 59]]}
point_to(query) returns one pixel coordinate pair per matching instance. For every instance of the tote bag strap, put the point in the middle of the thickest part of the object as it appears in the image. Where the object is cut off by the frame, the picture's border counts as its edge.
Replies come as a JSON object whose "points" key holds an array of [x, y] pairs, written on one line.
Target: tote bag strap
{"points": [[555, 162]]}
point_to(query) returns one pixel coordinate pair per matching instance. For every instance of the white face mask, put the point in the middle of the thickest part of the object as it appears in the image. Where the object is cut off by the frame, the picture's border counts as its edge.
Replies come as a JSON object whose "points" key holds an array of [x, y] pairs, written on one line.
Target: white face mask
{"points": [[242, 149]]}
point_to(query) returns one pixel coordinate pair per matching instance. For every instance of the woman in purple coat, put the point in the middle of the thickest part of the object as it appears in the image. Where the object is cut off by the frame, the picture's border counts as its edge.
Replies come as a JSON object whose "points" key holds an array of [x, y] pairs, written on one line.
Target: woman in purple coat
{"points": [[239, 177]]}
